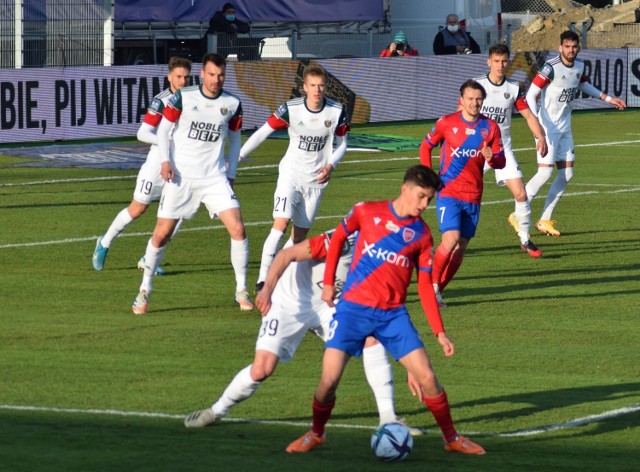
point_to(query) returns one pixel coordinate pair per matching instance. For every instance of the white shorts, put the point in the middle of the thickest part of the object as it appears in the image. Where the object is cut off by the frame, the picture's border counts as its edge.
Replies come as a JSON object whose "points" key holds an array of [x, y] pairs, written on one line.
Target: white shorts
{"points": [[149, 184], [560, 149], [282, 331], [296, 203], [510, 171], [182, 198]]}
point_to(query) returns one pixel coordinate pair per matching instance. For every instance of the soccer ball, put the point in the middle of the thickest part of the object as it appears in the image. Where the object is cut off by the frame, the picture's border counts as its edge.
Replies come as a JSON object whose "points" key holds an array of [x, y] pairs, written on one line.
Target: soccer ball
{"points": [[391, 442]]}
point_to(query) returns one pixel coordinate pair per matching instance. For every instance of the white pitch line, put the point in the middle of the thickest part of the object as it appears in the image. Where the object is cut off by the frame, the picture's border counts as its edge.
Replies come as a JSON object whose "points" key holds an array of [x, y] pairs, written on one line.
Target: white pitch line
{"points": [[69, 181], [576, 422], [271, 166], [268, 222]]}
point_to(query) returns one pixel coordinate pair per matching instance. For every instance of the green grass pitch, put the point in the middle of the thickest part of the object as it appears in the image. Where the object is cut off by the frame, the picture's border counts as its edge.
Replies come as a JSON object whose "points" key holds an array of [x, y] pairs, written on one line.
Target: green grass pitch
{"points": [[546, 375]]}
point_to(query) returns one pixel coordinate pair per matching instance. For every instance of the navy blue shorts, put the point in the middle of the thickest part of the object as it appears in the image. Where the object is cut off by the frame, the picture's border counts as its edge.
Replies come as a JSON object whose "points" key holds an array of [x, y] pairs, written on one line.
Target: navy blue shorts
{"points": [[454, 214], [352, 323]]}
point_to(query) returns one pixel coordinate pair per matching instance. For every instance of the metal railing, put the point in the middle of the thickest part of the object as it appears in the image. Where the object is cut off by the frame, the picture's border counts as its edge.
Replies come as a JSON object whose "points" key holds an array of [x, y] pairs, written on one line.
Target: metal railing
{"points": [[64, 33], [55, 33]]}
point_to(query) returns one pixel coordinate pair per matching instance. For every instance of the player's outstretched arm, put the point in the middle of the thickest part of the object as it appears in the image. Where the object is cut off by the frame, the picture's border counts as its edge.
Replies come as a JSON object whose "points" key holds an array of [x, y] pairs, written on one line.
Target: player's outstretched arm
{"points": [[338, 239], [617, 102], [256, 139], [297, 252]]}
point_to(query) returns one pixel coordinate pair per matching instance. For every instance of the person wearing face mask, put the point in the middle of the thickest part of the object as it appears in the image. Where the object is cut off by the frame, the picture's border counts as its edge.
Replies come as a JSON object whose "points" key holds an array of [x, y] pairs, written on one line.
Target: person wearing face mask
{"points": [[226, 25], [454, 40]]}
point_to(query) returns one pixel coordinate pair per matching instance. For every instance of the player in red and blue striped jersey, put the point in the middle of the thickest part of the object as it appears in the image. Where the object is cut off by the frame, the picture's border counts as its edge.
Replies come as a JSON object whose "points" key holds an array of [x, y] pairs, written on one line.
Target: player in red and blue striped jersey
{"points": [[467, 141], [392, 241]]}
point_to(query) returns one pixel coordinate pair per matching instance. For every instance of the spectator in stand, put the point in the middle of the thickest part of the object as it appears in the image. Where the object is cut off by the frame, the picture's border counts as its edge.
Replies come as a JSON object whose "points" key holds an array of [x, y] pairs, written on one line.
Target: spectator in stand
{"points": [[226, 25], [454, 40], [399, 47]]}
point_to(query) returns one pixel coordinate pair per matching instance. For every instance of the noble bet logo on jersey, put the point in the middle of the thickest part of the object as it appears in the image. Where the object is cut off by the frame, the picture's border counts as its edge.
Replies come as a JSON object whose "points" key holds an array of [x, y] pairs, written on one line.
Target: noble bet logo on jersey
{"points": [[202, 131], [312, 143]]}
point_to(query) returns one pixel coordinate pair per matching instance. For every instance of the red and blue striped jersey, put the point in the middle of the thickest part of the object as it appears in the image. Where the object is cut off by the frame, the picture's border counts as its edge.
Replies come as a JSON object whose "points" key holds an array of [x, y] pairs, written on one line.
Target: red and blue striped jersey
{"points": [[461, 162], [387, 249]]}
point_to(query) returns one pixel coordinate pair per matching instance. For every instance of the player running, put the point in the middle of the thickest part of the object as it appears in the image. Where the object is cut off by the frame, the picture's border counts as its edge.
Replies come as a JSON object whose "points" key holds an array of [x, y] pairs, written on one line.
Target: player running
{"points": [[291, 306], [392, 241], [149, 183], [558, 83], [467, 141], [504, 96]]}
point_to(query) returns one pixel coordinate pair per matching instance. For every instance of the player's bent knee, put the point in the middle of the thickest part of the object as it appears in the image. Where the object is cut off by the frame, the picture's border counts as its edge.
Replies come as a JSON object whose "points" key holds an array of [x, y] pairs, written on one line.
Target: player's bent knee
{"points": [[262, 373]]}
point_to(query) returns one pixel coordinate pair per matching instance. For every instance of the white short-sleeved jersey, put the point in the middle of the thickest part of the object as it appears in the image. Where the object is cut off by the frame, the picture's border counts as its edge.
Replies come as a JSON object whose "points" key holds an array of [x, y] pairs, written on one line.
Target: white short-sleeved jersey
{"points": [[201, 127], [296, 304], [500, 103], [311, 135], [559, 85]]}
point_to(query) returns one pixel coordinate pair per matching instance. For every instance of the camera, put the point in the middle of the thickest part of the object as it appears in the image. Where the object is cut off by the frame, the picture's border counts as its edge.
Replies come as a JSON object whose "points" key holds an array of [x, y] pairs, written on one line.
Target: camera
{"points": [[401, 47]]}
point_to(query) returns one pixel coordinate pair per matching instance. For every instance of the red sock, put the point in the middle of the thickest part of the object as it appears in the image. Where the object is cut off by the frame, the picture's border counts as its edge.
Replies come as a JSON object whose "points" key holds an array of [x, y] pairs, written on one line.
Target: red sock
{"points": [[454, 264], [321, 415], [439, 407], [440, 262]]}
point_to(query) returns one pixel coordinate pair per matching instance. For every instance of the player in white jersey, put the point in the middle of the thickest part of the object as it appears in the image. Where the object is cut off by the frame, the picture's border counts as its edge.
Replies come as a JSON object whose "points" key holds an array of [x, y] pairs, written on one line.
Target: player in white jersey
{"points": [[557, 83], [313, 122], [504, 96], [291, 306], [194, 166], [149, 183]]}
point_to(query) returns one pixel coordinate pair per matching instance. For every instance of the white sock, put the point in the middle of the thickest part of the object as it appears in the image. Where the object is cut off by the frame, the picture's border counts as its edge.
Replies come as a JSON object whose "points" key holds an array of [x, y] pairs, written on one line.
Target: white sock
{"points": [[240, 261], [380, 377], [241, 387], [523, 215], [555, 192], [537, 181], [119, 223], [269, 250], [152, 259]]}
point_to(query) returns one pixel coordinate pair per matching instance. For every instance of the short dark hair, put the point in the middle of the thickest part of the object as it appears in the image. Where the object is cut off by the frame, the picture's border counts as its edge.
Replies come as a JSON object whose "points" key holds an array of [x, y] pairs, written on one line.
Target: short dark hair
{"points": [[499, 49], [569, 36], [472, 84], [215, 58], [422, 176], [177, 61]]}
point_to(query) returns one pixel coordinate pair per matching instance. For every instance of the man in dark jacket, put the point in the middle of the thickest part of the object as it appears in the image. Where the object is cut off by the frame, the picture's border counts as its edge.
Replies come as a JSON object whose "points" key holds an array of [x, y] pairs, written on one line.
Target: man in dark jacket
{"points": [[453, 40], [226, 26]]}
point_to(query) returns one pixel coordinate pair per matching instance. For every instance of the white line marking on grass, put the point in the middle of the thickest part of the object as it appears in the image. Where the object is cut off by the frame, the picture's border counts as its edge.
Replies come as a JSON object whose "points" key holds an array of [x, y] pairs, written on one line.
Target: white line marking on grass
{"points": [[67, 181], [271, 166], [141, 414], [575, 422], [269, 222], [610, 143]]}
